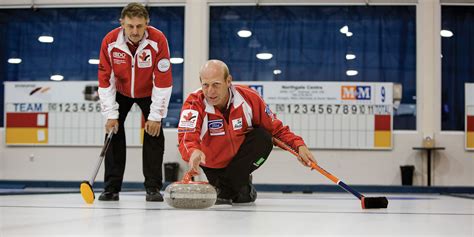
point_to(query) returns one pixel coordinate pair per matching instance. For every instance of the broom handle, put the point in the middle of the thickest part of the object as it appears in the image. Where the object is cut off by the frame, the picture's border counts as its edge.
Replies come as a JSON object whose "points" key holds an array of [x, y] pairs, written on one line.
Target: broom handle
{"points": [[101, 157], [328, 175]]}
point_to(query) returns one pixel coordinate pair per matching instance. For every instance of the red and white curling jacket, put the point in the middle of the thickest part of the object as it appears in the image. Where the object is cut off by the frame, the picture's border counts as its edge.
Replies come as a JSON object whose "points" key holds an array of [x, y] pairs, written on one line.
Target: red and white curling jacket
{"points": [[203, 127], [147, 73]]}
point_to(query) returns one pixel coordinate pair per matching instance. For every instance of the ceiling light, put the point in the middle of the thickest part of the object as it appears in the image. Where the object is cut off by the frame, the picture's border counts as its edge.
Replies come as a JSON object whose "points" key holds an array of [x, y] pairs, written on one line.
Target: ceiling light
{"points": [[231, 16], [446, 33], [14, 60], [93, 61], [264, 56], [349, 34], [344, 29], [57, 77], [176, 60], [46, 39], [244, 33], [277, 71], [351, 72], [350, 56]]}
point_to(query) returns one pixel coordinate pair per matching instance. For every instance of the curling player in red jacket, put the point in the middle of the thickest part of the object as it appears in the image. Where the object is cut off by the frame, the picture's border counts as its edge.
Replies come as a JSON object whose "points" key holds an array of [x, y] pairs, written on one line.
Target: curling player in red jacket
{"points": [[227, 130], [134, 69]]}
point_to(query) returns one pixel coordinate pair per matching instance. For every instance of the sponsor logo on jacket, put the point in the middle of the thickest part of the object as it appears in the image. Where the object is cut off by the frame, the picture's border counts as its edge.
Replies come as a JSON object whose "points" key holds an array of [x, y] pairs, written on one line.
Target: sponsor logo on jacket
{"points": [[119, 57], [164, 65], [237, 123], [216, 127]]}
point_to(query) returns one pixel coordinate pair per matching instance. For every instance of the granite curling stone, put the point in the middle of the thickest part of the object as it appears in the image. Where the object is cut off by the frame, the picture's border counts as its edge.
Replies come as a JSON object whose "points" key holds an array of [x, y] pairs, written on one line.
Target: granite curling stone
{"points": [[190, 195]]}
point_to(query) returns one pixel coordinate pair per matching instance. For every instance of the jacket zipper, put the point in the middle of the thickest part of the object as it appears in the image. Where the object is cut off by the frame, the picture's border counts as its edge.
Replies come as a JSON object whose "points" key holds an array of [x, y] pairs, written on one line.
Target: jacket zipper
{"points": [[231, 141], [132, 86], [229, 128]]}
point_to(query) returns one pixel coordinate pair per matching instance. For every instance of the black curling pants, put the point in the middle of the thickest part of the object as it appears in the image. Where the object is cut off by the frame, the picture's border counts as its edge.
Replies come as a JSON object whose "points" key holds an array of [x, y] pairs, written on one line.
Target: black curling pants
{"points": [[233, 179], [152, 154]]}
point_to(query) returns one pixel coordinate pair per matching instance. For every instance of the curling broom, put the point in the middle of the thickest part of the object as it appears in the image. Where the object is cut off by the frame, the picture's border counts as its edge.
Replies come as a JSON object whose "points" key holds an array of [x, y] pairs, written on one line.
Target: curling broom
{"points": [[86, 186], [366, 202]]}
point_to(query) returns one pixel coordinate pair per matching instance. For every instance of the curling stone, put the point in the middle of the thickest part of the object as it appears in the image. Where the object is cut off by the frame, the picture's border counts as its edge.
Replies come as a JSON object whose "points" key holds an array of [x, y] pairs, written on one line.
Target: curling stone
{"points": [[187, 194]]}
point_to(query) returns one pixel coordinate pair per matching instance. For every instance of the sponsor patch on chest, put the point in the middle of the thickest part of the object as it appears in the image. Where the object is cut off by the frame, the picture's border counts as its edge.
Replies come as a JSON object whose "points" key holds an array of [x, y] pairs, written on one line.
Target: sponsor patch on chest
{"points": [[216, 127], [119, 57], [237, 123], [144, 58]]}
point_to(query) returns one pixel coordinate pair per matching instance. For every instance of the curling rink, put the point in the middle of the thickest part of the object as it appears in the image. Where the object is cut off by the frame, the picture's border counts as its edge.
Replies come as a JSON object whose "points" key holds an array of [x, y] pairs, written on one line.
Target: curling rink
{"points": [[273, 214]]}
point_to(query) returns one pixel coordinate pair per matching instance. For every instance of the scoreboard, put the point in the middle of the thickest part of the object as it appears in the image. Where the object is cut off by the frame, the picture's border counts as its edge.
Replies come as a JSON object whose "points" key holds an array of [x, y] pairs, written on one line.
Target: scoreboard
{"points": [[469, 126], [60, 113], [333, 115], [328, 115]]}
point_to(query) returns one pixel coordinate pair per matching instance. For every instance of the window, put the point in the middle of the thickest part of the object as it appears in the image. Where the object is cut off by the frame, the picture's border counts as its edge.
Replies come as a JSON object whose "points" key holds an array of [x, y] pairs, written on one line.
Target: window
{"points": [[77, 34], [457, 63], [320, 43]]}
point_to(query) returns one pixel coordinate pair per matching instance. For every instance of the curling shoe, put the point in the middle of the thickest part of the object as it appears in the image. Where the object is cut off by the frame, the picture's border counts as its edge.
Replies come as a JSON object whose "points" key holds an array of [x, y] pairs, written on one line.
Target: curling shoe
{"points": [[109, 196], [153, 195]]}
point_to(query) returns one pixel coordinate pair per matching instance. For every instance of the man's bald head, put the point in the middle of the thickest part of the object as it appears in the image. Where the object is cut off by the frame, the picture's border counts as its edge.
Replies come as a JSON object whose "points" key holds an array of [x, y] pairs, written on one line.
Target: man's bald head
{"points": [[215, 83], [214, 68]]}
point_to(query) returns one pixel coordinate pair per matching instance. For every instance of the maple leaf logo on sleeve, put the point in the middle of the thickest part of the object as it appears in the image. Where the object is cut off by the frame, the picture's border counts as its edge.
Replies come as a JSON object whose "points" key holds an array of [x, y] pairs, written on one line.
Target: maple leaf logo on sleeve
{"points": [[188, 119], [189, 116]]}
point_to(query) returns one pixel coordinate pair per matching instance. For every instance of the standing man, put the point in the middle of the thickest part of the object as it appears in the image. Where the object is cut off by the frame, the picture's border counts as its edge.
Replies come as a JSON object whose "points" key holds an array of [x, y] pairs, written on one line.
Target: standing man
{"points": [[134, 68], [227, 130]]}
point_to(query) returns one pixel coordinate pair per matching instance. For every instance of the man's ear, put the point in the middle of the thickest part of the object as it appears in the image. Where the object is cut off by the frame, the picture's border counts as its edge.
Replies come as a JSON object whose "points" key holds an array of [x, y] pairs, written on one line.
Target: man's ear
{"points": [[229, 79], [121, 21]]}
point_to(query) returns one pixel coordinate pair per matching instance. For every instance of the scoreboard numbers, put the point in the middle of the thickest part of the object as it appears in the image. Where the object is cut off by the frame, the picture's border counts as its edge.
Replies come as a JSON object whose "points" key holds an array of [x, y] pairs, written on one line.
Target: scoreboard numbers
{"points": [[60, 114], [333, 115]]}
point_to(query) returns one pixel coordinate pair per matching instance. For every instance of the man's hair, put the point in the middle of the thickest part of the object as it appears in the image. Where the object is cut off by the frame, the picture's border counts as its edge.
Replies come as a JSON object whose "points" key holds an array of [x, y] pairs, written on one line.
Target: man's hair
{"points": [[226, 71], [134, 9]]}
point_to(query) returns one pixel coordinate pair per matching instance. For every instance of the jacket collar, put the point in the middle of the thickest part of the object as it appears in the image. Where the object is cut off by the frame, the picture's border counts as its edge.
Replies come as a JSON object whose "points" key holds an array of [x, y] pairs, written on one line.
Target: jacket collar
{"points": [[235, 100], [121, 42], [238, 98]]}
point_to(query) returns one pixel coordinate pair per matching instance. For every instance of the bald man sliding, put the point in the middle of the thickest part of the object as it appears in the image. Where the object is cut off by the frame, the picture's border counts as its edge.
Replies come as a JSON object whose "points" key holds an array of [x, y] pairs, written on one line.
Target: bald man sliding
{"points": [[227, 130]]}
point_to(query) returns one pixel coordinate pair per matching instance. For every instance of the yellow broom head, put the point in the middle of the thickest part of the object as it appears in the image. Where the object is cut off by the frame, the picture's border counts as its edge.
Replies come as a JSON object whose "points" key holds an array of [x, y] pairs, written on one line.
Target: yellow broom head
{"points": [[87, 192]]}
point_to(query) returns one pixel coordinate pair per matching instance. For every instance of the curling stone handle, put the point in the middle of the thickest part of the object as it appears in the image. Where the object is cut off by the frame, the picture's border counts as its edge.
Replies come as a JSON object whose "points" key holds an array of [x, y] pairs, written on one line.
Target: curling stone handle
{"points": [[189, 175]]}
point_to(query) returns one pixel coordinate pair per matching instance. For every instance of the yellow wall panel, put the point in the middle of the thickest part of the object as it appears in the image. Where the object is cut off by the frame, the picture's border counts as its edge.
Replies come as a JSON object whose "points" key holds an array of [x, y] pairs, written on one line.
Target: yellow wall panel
{"points": [[382, 139], [470, 140], [26, 136]]}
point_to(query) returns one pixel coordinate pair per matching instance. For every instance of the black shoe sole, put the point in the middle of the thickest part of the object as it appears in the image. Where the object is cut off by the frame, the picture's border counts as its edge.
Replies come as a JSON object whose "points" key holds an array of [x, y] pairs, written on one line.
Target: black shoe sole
{"points": [[108, 199], [221, 201], [154, 199]]}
